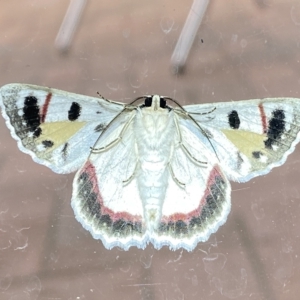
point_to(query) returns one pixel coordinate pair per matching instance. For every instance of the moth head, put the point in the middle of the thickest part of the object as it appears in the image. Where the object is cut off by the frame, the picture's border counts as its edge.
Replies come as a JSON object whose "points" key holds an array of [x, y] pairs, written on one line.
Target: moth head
{"points": [[155, 102]]}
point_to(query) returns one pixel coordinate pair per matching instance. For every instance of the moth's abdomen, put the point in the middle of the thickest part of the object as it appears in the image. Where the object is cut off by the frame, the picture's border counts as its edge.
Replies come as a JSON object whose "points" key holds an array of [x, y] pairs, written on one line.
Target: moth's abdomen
{"points": [[152, 186]]}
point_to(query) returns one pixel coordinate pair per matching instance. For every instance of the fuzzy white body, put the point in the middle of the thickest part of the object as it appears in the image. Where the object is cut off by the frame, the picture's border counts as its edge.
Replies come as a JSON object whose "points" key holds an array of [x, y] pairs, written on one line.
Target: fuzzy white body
{"points": [[153, 129]]}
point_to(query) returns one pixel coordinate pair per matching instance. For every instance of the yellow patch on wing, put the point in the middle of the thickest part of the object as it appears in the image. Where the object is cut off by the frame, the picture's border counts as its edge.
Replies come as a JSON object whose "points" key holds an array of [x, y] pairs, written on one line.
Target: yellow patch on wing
{"points": [[58, 132], [247, 142]]}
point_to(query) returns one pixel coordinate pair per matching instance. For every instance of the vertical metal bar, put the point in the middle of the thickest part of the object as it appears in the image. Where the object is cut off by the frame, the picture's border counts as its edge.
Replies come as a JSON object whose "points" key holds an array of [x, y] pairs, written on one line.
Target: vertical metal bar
{"points": [[69, 25], [188, 34]]}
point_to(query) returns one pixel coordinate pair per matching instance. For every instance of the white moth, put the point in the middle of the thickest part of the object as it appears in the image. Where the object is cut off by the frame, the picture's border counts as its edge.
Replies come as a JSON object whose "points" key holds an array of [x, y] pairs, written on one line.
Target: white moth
{"points": [[149, 172]]}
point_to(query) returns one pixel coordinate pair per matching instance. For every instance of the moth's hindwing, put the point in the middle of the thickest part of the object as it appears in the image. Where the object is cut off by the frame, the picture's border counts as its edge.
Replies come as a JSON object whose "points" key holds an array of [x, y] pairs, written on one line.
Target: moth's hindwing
{"points": [[198, 206], [56, 128], [106, 198]]}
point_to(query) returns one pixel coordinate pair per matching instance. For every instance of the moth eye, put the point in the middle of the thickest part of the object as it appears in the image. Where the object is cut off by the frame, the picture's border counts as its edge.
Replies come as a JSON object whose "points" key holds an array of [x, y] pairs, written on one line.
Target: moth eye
{"points": [[234, 120], [148, 101], [162, 103], [74, 111]]}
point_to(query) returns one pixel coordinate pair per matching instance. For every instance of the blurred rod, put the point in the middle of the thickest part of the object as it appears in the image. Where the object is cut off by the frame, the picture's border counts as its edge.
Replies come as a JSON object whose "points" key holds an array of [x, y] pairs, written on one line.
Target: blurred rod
{"points": [[188, 35], [69, 25]]}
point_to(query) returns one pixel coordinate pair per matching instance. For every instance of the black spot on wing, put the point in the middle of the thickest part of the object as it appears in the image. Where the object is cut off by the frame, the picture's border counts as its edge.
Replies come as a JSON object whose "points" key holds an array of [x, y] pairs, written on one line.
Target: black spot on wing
{"points": [[126, 228], [213, 206], [37, 132], [74, 111], [31, 115], [234, 120], [47, 143], [239, 160], [92, 206], [181, 227], [65, 150], [105, 219], [208, 133], [256, 154], [174, 228], [100, 127], [276, 128]]}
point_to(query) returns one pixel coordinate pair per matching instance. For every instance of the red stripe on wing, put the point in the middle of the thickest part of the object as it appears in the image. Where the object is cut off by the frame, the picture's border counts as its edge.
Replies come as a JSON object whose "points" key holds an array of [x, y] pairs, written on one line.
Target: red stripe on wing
{"points": [[115, 216], [215, 172], [263, 118], [45, 107]]}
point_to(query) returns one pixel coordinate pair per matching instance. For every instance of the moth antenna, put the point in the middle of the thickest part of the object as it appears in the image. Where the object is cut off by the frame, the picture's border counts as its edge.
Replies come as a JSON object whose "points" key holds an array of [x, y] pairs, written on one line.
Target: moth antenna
{"points": [[110, 101]]}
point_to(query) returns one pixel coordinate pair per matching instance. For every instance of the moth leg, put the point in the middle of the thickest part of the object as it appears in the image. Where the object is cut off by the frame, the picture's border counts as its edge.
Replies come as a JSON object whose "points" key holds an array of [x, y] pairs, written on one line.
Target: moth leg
{"points": [[108, 146], [125, 182], [180, 184], [188, 153], [203, 113], [186, 113], [115, 141]]}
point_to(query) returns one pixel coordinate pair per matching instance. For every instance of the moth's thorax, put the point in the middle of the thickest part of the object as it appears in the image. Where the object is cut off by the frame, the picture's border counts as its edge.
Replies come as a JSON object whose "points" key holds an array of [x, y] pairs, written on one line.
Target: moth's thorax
{"points": [[153, 130], [155, 122]]}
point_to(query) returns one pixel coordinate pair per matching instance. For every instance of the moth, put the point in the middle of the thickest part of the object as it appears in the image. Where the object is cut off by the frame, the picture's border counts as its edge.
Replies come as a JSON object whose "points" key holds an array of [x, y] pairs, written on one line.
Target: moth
{"points": [[151, 171]]}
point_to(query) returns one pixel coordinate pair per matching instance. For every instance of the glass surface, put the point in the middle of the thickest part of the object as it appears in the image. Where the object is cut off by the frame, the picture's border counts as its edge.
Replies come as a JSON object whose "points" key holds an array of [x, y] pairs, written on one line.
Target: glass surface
{"points": [[243, 50]]}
